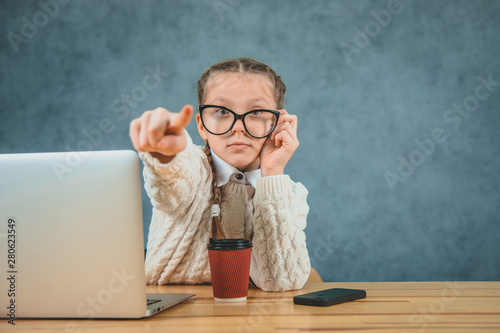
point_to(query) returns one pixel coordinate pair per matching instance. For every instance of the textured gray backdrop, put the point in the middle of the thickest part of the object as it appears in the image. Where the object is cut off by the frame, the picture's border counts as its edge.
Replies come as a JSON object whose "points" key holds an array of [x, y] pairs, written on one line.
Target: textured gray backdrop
{"points": [[398, 106]]}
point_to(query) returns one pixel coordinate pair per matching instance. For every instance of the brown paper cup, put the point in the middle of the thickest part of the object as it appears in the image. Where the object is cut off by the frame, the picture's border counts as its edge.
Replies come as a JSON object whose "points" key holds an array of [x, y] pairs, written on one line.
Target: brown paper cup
{"points": [[230, 268]]}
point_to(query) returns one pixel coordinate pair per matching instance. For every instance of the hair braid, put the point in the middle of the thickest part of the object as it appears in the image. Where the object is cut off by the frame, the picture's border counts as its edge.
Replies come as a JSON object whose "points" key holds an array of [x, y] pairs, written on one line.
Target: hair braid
{"points": [[216, 228]]}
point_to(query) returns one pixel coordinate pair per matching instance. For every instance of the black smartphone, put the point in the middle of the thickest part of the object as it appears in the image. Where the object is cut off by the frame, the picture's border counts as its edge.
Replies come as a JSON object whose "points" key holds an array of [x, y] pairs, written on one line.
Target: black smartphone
{"points": [[329, 297]]}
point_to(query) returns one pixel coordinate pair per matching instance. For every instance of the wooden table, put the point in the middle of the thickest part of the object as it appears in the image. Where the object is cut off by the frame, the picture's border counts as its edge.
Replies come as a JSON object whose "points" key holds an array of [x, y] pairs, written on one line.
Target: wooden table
{"points": [[389, 307]]}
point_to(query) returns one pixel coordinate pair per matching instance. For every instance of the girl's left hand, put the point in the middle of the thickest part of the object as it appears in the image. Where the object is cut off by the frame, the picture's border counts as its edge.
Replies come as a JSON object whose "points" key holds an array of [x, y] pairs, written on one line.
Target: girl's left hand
{"points": [[279, 146]]}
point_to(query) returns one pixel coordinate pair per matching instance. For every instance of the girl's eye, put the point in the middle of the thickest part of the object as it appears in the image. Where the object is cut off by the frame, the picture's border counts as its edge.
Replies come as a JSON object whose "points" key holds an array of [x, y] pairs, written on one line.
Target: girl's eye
{"points": [[256, 113], [222, 112]]}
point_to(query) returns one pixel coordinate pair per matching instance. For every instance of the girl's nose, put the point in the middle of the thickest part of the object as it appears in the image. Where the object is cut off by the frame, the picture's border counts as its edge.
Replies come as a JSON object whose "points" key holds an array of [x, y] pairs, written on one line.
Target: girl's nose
{"points": [[238, 126]]}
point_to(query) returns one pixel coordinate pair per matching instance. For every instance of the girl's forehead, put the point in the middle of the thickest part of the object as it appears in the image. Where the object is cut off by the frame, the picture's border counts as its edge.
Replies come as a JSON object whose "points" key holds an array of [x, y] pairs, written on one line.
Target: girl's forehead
{"points": [[248, 83]]}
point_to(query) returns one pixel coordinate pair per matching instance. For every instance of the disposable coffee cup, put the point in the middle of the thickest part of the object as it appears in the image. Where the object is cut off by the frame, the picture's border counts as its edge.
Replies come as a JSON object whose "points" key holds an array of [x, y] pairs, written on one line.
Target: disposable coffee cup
{"points": [[230, 268]]}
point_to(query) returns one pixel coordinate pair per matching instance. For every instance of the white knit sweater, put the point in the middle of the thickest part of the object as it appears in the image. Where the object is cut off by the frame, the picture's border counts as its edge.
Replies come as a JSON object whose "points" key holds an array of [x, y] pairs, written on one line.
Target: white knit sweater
{"points": [[273, 216]]}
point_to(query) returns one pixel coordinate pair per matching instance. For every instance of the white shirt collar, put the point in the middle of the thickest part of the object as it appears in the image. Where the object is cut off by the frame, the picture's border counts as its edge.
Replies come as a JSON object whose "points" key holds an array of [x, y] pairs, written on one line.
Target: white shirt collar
{"points": [[224, 172]]}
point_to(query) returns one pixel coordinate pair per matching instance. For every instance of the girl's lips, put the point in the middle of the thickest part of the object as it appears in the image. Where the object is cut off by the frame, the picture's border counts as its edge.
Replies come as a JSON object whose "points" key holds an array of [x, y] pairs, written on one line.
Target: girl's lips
{"points": [[239, 145]]}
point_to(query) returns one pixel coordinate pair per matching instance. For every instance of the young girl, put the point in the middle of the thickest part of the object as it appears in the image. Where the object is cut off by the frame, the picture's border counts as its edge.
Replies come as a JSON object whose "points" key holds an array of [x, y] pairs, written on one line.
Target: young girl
{"points": [[233, 188]]}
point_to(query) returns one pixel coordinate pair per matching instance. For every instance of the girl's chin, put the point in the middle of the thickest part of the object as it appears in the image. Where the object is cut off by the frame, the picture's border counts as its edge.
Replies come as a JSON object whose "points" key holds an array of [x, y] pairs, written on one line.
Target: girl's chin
{"points": [[245, 165]]}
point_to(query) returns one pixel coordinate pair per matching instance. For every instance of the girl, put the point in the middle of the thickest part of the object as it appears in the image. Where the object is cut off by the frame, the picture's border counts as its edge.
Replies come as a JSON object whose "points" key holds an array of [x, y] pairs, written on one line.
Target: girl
{"points": [[233, 188]]}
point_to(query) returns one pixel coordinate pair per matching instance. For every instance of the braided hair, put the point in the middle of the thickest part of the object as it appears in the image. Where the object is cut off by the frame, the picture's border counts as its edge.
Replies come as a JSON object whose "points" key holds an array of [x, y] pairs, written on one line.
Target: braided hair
{"points": [[240, 65]]}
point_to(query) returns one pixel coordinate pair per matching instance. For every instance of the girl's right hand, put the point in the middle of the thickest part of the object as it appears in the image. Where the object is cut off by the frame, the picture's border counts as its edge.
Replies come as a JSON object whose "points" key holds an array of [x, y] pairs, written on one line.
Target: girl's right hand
{"points": [[161, 132]]}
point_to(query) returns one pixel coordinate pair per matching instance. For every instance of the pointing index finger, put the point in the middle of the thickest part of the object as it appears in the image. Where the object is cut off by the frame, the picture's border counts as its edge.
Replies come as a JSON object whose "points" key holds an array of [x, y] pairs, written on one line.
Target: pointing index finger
{"points": [[182, 119]]}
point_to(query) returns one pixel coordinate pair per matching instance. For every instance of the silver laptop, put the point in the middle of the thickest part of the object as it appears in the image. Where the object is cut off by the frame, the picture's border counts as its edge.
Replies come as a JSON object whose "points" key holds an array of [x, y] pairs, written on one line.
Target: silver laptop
{"points": [[71, 239]]}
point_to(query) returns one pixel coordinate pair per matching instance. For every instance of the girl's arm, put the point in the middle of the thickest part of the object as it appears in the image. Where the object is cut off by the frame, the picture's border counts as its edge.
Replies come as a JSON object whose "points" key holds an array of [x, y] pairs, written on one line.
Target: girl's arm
{"points": [[175, 172], [177, 208], [280, 260], [173, 186]]}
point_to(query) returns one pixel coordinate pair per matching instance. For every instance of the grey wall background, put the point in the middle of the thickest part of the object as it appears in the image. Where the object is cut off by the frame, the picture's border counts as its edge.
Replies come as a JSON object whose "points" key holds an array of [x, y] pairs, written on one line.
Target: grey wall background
{"points": [[362, 99]]}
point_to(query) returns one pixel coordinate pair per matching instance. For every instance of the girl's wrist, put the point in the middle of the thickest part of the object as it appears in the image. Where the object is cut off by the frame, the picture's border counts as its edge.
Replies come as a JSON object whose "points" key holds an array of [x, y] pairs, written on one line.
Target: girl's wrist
{"points": [[272, 172], [162, 158]]}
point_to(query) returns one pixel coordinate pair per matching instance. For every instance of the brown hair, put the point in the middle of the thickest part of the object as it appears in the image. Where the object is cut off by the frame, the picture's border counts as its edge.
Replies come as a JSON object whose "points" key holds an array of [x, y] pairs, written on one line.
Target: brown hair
{"points": [[240, 65]]}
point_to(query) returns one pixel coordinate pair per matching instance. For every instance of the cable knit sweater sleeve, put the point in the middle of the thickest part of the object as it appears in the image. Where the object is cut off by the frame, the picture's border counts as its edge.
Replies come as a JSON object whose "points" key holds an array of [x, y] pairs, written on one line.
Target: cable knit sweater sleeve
{"points": [[280, 260], [174, 190]]}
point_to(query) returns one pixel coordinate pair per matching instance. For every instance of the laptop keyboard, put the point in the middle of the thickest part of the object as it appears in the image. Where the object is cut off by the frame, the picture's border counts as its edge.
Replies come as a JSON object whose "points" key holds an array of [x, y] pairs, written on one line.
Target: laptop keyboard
{"points": [[153, 301]]}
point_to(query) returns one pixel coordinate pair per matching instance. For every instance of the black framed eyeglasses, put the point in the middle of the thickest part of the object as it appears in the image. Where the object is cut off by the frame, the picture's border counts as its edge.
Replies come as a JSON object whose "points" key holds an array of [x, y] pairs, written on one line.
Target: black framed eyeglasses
{"points": [[219, 120]]}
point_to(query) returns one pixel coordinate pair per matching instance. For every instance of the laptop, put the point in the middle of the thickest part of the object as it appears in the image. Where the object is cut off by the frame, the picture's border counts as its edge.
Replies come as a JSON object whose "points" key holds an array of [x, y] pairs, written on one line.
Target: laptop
{"points": [[71, 237]]}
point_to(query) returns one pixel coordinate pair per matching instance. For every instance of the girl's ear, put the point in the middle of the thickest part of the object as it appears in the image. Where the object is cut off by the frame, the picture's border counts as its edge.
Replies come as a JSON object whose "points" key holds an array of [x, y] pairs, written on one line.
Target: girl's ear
{"points": [[201, 129]]}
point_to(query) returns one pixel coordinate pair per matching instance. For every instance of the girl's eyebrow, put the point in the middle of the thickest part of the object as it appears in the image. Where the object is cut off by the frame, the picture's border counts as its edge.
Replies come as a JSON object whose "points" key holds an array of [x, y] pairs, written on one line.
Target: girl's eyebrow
{"points": [[257, 100], [217, 101], [251, 101]]}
